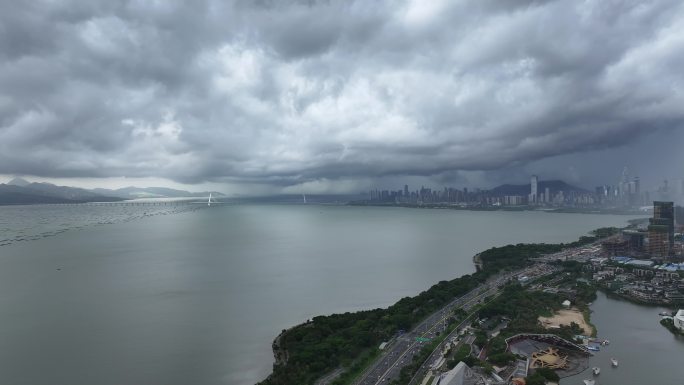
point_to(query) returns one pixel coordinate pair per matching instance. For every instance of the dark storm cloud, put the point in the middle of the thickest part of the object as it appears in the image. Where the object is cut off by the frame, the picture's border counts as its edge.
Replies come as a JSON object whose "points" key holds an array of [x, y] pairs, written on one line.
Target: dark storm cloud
{"points": [[289, 92]]}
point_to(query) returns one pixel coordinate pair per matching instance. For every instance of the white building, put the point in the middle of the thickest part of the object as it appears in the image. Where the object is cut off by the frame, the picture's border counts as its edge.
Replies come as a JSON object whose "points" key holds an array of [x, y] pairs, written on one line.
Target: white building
{"points": [[461, 374], [678, 320]]}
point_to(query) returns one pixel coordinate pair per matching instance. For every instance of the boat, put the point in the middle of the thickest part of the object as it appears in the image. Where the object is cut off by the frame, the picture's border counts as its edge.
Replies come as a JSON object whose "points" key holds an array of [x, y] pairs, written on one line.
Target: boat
{"points": [[664, 313], [209, 201], [614, 362], [593, 348], [589, 382], [596, 370]]}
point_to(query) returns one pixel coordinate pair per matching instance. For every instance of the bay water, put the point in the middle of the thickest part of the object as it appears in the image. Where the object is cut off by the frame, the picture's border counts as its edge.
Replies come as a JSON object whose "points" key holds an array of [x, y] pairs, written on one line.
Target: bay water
{"points": [[197, 296], [647, 353]]}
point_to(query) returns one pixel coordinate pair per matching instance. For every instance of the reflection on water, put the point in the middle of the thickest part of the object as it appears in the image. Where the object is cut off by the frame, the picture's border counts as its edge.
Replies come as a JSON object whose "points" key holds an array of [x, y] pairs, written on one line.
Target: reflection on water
{"points": [[32, 222]]}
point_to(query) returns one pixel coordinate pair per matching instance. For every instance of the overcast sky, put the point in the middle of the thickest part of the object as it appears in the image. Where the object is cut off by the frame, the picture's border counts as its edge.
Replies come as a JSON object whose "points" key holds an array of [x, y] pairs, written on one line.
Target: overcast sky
{"points": [[337, 96]]}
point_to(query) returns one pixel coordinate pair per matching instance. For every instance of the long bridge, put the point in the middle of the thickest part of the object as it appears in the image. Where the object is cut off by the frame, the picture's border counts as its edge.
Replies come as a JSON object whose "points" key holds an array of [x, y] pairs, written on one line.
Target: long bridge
{"points": [[142, 203], [178, 202]]}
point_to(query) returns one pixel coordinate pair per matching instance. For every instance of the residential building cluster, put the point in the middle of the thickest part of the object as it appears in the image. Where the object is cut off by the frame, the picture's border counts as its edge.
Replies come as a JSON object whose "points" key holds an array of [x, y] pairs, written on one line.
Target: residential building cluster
{"points": [[640, 280], [624, 264]]}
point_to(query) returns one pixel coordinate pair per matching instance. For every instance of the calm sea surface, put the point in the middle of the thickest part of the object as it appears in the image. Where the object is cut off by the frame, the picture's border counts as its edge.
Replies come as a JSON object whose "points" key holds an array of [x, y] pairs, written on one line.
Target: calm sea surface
{"points": [[647, 353], [198, 296]]}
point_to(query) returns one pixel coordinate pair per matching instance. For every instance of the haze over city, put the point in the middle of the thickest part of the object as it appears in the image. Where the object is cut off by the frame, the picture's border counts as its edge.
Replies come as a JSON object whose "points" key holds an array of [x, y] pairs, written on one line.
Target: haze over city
{"points": [[260, 97]]}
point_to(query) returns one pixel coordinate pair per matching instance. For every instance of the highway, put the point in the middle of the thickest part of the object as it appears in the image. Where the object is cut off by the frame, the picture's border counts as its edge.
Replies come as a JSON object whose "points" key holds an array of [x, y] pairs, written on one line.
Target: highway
{"points": [[402, 350]]}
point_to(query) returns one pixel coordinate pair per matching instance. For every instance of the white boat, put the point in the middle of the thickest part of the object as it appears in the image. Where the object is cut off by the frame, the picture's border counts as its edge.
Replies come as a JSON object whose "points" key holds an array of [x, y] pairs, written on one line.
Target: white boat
{"points": [[614, 362], [589, 382], [209, 201], [596, 370]]}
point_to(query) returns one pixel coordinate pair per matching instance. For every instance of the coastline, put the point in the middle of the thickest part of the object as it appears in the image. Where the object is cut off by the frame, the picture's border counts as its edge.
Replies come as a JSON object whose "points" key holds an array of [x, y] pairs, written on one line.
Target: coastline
{"points": [[669, 325], [647, 353], [615, 295], [279, 353], [586, 313], [558, 210], [477, 261], [488, 262]]}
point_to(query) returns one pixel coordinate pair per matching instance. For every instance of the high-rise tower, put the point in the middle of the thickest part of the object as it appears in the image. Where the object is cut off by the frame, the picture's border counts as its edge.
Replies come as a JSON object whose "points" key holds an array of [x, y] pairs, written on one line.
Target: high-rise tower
{"points": [[533, 189], [661, 229]]}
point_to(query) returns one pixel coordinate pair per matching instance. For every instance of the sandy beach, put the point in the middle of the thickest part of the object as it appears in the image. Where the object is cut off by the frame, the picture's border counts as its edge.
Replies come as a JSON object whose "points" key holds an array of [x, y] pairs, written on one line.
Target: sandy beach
{"points": [[566, 317]]}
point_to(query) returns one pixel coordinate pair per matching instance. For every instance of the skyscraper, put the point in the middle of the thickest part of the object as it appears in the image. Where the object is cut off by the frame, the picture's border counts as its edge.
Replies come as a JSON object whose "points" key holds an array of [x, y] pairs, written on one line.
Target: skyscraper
{"points": [[624, 182], [547, 195], [679, 215], [661, 229], [533, 189]]}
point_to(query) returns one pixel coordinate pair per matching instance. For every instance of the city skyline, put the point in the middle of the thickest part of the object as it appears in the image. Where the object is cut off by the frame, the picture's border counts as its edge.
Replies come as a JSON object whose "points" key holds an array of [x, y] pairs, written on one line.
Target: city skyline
{"points": [[626, 192]]}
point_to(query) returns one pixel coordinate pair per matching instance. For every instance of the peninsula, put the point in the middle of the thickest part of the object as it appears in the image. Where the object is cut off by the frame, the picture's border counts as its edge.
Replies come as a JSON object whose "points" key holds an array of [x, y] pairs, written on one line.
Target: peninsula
{"points": [[471, 319]]}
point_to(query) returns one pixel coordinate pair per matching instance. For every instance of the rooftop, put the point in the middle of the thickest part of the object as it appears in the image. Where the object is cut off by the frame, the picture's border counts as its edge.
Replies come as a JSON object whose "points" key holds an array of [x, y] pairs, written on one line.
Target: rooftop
{"points": [[639, 262], [461, 374]]}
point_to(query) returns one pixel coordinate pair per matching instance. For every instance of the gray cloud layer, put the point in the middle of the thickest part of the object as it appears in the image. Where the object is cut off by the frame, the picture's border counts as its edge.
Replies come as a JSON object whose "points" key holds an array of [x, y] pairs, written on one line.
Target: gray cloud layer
{"points": [[287, 92]]}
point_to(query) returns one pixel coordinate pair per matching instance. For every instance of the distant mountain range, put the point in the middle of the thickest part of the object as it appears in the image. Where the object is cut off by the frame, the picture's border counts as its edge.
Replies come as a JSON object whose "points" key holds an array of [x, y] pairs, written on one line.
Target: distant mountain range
{"points": [[524, 189], [153, 192], [20, 191]]}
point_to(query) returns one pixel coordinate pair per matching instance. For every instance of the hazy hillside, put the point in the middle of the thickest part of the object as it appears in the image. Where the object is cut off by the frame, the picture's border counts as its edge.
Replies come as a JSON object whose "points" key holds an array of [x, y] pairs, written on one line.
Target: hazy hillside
{"points": [[20, 191], [524, 189], [153, 192]]}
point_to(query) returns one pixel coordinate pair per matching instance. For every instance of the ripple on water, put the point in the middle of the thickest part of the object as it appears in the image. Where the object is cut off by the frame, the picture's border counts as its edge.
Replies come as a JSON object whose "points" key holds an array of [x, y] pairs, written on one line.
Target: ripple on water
{"points": [[27, 223]]}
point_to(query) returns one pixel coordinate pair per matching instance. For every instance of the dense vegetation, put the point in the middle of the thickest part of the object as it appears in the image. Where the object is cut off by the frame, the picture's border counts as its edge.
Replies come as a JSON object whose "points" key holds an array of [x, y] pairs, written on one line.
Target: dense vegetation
{"points": [[522, 308], [328, 342], [541, 376], [517, 256], [669, 324], [462, 354]]}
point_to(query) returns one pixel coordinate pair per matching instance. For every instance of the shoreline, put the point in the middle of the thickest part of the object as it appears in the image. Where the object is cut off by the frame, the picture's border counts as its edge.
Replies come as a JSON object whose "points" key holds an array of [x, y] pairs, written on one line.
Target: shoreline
{"points": [[557, 210], [490, 262], [586, 313], [627, 298], [636, 340]]}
